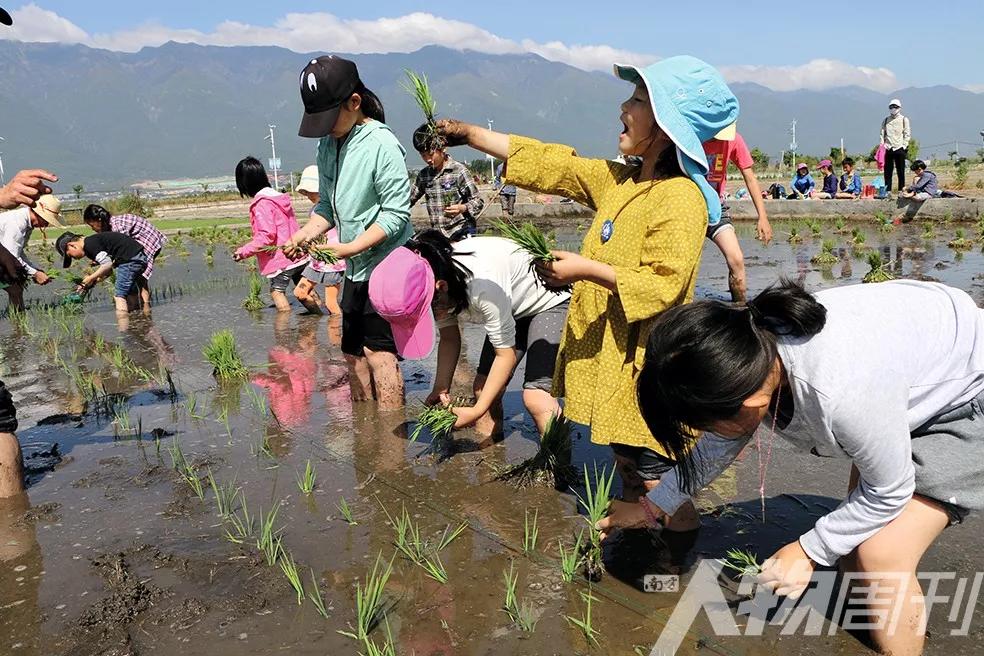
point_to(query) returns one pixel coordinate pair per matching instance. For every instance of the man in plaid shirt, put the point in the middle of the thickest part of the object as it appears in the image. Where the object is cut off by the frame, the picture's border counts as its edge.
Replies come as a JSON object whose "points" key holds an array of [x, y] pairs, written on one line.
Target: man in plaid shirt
{"points": [[453, 200]]}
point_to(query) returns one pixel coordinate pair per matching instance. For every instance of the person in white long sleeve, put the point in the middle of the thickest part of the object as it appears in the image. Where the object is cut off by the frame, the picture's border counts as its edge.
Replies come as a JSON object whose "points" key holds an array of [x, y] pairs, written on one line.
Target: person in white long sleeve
{"points": [[16, 227], [889, 376], [895, 136]]}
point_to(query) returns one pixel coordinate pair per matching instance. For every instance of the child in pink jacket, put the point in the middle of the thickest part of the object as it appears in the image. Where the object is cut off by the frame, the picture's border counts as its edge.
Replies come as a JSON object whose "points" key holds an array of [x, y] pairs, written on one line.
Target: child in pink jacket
{"points": [[271, 216]]}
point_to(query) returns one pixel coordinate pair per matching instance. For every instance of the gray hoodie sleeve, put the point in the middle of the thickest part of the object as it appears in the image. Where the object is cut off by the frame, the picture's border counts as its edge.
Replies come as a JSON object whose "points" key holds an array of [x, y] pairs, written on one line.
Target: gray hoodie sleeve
{"points": [[714, 454], [873, 430]]}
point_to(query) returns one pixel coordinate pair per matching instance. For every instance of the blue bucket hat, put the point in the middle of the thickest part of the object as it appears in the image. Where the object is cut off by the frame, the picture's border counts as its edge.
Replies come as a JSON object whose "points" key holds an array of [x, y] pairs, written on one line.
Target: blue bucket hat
{"points": [[692, 104]]}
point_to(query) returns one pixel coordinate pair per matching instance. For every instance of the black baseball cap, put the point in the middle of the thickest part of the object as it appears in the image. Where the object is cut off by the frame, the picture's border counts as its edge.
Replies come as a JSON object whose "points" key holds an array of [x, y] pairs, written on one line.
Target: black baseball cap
{"points": [[61, 243], [5, 17], [326, 82]]}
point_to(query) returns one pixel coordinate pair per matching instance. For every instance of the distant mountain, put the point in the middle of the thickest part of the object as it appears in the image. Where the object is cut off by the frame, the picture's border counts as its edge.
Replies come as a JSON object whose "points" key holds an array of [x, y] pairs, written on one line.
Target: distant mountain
{"points": [[105, 119]]}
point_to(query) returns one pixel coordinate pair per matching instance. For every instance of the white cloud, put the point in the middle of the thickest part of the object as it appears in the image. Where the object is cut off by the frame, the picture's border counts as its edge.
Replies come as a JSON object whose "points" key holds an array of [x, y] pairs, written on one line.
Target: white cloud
{"points": [[816, 74], [973, 88], [322, 31]]}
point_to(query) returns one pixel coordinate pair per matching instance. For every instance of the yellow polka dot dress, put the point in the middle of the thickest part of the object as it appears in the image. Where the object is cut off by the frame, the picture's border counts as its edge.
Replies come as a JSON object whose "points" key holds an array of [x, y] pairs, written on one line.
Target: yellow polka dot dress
{"points": [[655, 245]]}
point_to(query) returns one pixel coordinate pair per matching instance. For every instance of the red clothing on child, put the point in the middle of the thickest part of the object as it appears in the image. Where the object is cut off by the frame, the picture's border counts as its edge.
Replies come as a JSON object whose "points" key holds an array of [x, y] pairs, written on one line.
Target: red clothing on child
{"points": [[719, 153]]}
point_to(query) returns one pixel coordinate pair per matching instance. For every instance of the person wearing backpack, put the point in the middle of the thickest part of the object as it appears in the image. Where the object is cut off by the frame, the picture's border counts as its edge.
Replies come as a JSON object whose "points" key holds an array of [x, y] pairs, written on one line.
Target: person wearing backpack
{"points": [[895, 136]]}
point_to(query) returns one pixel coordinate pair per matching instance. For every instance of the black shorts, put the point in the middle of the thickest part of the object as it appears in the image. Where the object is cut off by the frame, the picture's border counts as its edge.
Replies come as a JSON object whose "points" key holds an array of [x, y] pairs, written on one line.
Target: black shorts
{"points": [[724, 224], [538, 338], [648, 464], [362, 328], [279, 282]]}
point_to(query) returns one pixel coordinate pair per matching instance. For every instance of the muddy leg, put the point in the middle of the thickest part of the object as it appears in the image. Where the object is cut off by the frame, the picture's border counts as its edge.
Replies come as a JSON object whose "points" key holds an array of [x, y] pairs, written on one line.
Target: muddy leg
{"points": [[387, 379], [308, 297], [280, 300], [727, 243], [489, 424], [541, 406], [331, 299], [360, 378], [11, 466]]}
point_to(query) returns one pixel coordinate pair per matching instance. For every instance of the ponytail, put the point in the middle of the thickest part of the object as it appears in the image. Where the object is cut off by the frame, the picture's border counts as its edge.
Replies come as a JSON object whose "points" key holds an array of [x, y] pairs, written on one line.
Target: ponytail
{"points": [[703, 360], [372, 106], [437, 249]]}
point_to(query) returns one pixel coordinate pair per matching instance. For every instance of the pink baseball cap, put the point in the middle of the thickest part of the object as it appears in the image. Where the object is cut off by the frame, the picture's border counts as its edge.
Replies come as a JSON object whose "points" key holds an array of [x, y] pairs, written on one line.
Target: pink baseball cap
{"points": [[825, 162], [401, 289], [802, 165]]}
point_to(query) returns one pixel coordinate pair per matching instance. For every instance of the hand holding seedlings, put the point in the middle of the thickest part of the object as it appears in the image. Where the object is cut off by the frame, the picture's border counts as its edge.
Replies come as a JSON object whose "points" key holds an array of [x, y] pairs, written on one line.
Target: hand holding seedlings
{"points": [[628, 515], [788, 572], [567, 268]]}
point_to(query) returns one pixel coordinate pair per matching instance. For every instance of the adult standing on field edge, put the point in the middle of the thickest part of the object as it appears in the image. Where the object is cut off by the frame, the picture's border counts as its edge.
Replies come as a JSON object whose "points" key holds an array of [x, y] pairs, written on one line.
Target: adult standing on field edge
{"points": [[895, 136]]}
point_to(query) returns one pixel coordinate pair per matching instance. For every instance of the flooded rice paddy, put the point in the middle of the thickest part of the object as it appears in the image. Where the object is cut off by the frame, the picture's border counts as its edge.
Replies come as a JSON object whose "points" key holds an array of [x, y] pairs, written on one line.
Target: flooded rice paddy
{"points": [[115, 551]]}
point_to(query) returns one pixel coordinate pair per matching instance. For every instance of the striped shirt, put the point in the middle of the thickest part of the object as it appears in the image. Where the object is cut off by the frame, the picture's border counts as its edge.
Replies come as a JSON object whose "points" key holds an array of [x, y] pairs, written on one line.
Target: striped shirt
{"points": [[452, 185], [143, 231]]}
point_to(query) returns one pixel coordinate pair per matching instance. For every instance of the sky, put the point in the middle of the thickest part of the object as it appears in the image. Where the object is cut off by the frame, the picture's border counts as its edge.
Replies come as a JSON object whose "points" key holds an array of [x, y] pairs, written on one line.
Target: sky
{"points": [[884, 46]]}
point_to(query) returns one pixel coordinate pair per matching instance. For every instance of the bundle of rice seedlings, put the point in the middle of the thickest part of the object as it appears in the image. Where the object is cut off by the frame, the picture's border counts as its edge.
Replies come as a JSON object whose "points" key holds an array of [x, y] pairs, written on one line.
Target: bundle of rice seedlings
{"points": [[878, 272], [223, 354], [418, 88], [528, 237], [319, 252], [960, 241], [741, 561], [551, 465], [826, 255], [437, 419], [253, 301]]}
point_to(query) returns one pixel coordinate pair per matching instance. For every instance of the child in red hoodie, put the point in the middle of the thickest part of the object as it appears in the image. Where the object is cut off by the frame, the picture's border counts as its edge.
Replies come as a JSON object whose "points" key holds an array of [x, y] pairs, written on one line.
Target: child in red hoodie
{"points": [[271, 217]]}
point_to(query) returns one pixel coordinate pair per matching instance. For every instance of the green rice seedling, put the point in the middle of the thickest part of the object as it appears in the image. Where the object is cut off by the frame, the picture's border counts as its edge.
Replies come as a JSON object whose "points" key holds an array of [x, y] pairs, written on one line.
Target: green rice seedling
{"points": [[210, 254], [794, 236], [257, 401], [434, 568], [437, 419], [223, 354], [840, 226], [307, 481], [570, 560], [178, 461], [450, 535], [242, 525], [388, 647], [346, 511], [816, 228], [322, 253], [929, 231], [531, 530], [826, 255], [520, 614], [98, 343], [314, 594], [858, 238], [195, 483], [268, 541], [960, 241], [418, 88], [584, 622], [272, 550], [254, 301], [225, 495], [878, 272], [20, 320], [408, 539], [289, 568], [262, 447], [741, 561], [551, 465], [595, 503], [528, 237], [370, 608], [118, 358]]}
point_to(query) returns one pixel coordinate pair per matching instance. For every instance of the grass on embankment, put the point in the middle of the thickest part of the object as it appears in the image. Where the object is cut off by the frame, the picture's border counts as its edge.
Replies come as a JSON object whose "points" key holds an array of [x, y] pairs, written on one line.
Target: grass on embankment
{"points": [[165, 225]]}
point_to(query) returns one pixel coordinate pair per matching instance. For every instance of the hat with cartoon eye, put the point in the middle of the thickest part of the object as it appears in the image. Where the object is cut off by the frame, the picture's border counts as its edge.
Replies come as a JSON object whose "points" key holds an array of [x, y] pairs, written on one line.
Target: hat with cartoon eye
{"points": [[5, 17]]}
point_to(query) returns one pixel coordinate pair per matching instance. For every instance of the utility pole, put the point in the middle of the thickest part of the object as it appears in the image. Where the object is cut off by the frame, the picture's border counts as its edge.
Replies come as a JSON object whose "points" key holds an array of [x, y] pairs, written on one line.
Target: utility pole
{"points": [[792, 144], [842, 148], [274, 162], [3, 179]]}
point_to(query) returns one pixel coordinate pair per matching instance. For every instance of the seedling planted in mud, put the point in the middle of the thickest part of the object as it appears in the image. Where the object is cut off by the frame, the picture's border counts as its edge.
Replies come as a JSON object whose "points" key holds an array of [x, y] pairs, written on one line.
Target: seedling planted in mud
{"points": [[388, 647], [928, 231], [584, 622], [268, 541], [225, 495], [570, 560], [178, 462], [960, 241], [242, 525], [531, 531], [595, 502], [314, 594], [307, 481], [826, 255], [741, 561], [520, 614], [551, 465], [434, 568], [289, 568], [195, 483], [254, 301], [345, 511], [878, 272], [858, 238], [223, 354], [369, 606], [794, 236], [450, 536]]}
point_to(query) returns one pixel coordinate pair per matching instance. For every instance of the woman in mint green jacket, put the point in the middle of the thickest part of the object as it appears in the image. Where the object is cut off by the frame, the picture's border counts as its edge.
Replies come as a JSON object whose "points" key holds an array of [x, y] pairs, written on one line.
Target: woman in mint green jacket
{"points": [[365, 193]]}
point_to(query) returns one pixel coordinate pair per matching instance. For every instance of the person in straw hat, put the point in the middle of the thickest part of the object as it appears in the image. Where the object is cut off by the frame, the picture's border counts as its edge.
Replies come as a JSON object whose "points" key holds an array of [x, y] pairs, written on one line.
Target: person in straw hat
{"points": [[318, 273], [16, 227]]}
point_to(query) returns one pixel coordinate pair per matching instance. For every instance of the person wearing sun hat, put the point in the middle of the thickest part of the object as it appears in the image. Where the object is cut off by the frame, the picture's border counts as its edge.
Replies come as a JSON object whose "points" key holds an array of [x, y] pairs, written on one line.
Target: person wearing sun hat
{"points": [[641, 254], [318, 273], [16, 227], [896, 133], [802, 185]]}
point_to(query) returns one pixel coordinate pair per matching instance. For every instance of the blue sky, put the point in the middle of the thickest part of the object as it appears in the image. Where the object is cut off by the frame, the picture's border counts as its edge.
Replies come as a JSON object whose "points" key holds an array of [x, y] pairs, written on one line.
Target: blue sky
{"points": [[881, 45]]}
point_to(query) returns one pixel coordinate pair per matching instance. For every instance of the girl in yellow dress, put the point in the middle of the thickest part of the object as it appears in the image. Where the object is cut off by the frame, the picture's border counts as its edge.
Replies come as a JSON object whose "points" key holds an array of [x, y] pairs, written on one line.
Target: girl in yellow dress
{"points": [[641, 254]]}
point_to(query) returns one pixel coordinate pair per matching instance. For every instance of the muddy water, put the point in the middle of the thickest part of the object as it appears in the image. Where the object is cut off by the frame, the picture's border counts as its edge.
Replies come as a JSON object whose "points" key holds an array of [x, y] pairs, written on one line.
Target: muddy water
{"points": [[112, 552]]}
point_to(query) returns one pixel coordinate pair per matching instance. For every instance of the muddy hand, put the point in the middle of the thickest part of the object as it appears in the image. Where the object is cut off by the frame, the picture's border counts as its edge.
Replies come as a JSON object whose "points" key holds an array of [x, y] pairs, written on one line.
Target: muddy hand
{"points": [[455, 132], [622, 515]]}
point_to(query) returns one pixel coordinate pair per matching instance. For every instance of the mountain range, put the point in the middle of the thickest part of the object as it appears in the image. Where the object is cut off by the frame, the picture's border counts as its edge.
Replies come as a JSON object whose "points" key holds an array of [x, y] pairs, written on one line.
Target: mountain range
{"points": [[107, 119]]}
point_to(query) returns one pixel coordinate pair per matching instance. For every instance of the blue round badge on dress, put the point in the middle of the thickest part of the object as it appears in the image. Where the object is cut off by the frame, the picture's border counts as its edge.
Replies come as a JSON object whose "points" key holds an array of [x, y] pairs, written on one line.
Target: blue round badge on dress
{"points": [[607, 230]]}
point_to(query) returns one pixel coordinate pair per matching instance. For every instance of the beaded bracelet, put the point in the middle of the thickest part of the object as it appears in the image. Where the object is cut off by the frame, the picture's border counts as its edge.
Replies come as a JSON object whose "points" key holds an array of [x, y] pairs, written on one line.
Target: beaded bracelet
{"points": [[654, 521]]}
